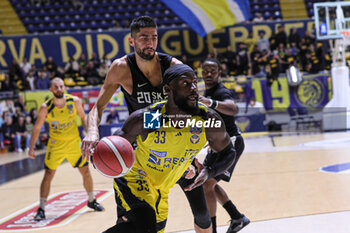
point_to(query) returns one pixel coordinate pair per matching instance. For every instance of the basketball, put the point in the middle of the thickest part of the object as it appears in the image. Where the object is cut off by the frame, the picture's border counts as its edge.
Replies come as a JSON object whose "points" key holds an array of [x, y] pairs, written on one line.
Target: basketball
{"points": [[113, 156]]}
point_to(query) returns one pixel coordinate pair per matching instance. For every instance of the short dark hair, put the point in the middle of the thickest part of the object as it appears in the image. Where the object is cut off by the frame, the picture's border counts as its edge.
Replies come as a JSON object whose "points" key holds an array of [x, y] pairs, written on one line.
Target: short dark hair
{"points": [[213, 60], [141, 22]]}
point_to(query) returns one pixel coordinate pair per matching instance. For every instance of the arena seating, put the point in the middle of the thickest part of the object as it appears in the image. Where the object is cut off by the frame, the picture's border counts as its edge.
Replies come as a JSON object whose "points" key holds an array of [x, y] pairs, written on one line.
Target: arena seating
{"points": [[268, 8], [77, 15]]}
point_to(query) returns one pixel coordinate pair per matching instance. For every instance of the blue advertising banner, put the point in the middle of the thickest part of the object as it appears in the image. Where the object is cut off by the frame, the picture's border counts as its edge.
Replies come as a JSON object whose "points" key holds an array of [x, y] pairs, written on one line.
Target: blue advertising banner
{"points": [[174, 41], [312, 92]]}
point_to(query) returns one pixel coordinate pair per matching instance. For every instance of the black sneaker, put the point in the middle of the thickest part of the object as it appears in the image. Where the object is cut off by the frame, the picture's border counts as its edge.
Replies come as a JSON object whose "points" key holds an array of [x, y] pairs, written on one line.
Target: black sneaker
{"points": [[95, 205], [40, 215], [238, 224]]}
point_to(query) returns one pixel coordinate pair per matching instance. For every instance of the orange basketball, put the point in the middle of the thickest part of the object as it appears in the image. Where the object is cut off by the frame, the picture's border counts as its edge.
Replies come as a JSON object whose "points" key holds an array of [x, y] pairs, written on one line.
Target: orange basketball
{"points": [[113, 156]]}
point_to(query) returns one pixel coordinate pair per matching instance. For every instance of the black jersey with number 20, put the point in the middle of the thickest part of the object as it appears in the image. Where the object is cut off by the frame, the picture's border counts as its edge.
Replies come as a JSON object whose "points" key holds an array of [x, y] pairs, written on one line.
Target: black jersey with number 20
{"points": [[143, 92]]}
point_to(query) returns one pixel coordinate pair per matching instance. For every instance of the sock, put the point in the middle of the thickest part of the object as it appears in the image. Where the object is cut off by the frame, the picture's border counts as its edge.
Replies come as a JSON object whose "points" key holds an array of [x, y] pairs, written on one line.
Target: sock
{"points": [[232, 210], [91, 197], [43, 202], [213, 223]]}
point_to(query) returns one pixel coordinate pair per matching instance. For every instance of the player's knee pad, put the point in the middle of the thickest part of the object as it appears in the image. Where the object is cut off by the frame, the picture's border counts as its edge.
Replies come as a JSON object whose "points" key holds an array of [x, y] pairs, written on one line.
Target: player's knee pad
{"points": [[143, 218], [202, 219]]}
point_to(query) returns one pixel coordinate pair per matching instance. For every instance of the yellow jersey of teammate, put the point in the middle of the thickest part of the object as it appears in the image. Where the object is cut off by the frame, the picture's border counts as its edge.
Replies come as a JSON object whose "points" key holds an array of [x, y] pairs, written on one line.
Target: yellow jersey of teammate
{"points": [[62, 121]]}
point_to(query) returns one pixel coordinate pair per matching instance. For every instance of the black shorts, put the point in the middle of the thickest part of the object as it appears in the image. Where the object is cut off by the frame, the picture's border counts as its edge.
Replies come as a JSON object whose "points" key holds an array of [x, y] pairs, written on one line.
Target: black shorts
{"points": [[238, 144]]}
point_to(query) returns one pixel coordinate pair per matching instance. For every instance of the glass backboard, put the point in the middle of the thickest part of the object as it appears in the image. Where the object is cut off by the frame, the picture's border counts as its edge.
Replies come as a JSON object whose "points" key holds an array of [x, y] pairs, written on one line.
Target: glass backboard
{"points": [[331, 18]]}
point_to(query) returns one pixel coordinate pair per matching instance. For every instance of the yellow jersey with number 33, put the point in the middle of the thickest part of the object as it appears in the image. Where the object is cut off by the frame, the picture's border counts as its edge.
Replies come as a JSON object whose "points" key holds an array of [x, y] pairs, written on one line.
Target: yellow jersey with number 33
{"points": [[167, 152], [62, 121]]}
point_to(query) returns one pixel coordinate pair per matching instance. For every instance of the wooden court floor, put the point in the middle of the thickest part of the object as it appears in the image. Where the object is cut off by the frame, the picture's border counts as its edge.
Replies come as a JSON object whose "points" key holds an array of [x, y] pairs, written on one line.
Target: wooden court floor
{"points": [[276, 181]]}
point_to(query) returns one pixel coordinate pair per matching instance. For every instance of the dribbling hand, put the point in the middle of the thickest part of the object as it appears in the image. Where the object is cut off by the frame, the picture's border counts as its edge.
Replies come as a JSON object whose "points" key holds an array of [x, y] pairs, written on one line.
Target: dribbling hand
{"points": [[88, 145], [191, 172], [201, 178]]}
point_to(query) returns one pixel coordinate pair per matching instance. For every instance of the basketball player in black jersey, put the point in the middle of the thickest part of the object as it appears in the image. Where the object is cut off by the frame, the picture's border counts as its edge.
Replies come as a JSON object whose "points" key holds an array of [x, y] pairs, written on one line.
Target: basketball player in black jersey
{"points": [[139, 75], [218, 97]]}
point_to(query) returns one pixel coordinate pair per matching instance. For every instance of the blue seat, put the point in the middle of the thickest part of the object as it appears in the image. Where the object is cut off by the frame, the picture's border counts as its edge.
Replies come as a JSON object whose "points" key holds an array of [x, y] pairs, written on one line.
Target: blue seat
{"points": [[31, 28], [267, 15], [83, 25]]}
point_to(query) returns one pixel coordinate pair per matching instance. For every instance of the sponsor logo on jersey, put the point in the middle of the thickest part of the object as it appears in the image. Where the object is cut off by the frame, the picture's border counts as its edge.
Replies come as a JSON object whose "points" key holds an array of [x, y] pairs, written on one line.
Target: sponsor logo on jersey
{"points": [[70, 108], [141, 172], [141, 85], [194, 139], [195, 130], [61, 209], [155, 156], [162, 160]]}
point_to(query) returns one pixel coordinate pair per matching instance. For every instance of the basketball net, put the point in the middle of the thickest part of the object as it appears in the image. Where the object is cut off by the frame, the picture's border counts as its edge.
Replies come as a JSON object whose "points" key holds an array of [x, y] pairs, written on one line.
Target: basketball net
{"points": [[339, 48]]}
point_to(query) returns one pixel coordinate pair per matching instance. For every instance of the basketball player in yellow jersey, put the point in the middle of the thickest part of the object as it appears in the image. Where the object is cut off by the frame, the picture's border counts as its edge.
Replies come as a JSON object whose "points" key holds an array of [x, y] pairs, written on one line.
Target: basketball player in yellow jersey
{"points": [[61, 113], [167, 143]]}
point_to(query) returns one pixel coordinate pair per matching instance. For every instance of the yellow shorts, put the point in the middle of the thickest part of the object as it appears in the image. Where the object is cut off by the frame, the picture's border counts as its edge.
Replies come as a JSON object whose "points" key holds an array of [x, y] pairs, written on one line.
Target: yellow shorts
{"points": [[58, 150], [135, 189]]}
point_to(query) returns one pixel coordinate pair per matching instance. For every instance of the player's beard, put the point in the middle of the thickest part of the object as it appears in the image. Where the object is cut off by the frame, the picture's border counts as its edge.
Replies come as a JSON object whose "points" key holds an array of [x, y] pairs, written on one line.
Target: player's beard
{"points": [[144, 55], [183, 105], [58, 95]]}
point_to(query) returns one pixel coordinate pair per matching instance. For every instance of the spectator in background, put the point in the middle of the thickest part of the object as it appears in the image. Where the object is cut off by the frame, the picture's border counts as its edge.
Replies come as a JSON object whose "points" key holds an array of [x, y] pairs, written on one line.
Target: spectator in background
{"points": [[255, 59], [15, 71], [103, 70], [293, 37], [224, 71], [258, 18], [8, 130], [309, 39], [95, 60], [263, 43], [25, 66], [281, 36], [7, 84], [230, 59], [112, 117], [272, 70], [82, 61], [72, 67], [31, 79], [185, 60], [289, 60], [250, 42], [92, 76], [29, 126], [19, 103], [272, 41], [43, 81], [294, 48], [243, 60], [21, 133], [106, 61], [254, 107], [303, 49], [33, 114], [51, 66], [16, 115]]}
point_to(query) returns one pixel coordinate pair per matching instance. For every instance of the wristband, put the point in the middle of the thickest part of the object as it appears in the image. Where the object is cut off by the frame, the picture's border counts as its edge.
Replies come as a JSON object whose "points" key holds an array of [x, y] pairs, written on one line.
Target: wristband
{"points": [[210, 103], [214, 104]]}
